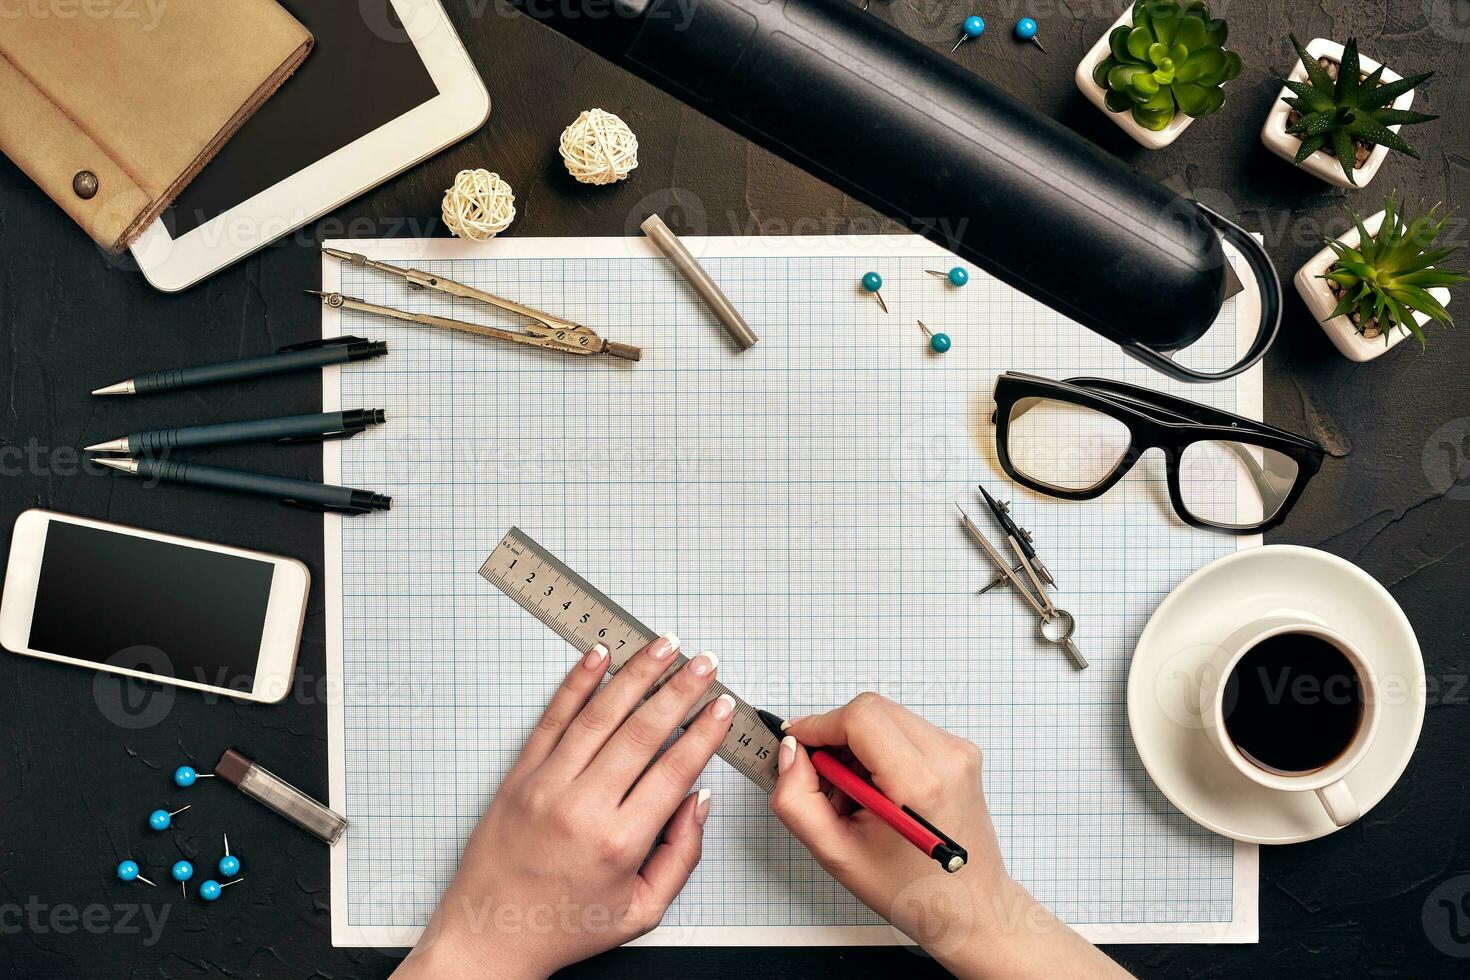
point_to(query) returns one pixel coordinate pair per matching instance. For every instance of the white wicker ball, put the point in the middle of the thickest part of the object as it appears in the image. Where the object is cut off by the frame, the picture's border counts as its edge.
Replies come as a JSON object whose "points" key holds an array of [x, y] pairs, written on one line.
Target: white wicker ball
{"points": [[479, 206], [599, 148]]}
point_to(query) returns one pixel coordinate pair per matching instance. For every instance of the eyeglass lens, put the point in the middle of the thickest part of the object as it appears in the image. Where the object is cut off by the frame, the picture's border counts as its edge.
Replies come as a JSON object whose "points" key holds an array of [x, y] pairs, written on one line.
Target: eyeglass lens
{"points": [[1070, 447], [1234, 484], [1074, 448]]}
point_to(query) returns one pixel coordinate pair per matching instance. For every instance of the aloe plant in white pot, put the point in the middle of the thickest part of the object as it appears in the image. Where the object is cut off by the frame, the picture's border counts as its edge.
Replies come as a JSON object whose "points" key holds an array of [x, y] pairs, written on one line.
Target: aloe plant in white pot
{"points": [[1339, 113], [1381, 281], [1159, 67]]}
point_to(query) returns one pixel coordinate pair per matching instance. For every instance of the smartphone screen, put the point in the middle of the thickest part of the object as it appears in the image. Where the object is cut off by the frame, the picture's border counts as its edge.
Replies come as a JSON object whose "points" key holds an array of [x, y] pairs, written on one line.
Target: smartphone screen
{"points": [[154, 606]]}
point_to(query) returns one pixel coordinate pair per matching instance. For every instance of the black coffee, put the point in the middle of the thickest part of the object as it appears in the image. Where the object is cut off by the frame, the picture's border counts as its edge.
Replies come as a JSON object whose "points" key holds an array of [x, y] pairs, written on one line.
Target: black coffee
{"points": [[1293, 703]]}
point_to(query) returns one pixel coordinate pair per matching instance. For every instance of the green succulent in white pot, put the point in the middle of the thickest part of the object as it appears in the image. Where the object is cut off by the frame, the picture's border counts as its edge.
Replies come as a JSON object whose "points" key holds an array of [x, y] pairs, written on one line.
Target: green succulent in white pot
{"points": [[1382, 281], [1340, 113], [1162, 65]]}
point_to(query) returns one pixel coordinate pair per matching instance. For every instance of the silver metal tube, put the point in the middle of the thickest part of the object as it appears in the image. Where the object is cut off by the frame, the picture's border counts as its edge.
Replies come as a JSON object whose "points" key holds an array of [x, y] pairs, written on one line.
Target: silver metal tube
{"points": [[719, 304]]}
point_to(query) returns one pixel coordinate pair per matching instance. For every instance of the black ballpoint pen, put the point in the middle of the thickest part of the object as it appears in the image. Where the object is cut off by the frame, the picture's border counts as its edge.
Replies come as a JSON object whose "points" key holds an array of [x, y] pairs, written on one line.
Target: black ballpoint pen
{"points": [[287, 428], [297, 357], [298, 493]]}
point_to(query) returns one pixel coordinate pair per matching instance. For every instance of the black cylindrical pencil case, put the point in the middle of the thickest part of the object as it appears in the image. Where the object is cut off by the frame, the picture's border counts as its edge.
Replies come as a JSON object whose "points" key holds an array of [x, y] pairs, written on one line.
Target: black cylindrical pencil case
{"points": [[904, 129]]}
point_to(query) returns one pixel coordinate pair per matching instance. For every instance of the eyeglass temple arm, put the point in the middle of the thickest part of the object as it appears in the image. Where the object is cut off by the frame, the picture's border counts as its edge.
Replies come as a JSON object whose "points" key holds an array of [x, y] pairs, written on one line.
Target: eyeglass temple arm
{"points": [[1266, 484]]}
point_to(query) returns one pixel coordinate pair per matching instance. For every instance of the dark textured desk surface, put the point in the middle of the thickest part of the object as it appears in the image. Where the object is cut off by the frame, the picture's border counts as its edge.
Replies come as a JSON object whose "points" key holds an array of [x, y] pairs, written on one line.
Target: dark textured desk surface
{"points": [[74, 785]]}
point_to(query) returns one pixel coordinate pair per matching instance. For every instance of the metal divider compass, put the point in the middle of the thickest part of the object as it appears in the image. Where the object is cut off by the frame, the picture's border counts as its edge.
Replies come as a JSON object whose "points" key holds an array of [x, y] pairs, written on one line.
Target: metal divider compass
{"points": [[1056, 624], [545, 330]]}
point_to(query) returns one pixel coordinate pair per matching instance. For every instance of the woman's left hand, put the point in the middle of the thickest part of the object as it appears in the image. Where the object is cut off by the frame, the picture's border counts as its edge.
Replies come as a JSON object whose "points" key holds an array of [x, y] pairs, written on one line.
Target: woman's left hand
{"points": [[559, 868]]}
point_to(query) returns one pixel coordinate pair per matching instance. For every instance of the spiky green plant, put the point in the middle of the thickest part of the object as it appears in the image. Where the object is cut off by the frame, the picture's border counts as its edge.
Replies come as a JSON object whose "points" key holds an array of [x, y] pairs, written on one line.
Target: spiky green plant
{"points": [[1171, 60], [1336, 113], [1386, 279]]}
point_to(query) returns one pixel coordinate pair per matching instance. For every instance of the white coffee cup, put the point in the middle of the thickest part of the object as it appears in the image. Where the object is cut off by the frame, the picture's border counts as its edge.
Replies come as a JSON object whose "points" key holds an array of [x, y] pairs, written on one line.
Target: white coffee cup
{"points": [[1327, 782]]}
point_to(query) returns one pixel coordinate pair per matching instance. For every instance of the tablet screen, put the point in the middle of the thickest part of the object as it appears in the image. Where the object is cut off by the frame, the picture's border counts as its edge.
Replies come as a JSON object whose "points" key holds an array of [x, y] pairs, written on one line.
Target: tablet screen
{"points": [[363, 73]]}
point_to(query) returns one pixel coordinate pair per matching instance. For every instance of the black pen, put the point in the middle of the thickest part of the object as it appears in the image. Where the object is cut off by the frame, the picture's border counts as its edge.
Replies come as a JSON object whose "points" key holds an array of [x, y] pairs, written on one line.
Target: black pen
{"points": [[298, 493], [297, 357], [287, 428]]}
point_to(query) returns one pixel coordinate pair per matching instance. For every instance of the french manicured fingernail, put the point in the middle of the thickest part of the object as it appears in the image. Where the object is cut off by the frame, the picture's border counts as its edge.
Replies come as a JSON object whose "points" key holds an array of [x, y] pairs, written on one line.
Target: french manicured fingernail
{"points": [[701, 807], [786, 725], [704, 664], [596, 658], [723, 705], [787, 755], [664, 646]]}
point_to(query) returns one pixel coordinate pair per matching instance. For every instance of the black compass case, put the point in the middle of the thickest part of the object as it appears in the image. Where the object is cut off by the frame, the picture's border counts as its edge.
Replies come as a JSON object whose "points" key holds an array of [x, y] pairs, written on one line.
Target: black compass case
{"points": [[904, 129]]}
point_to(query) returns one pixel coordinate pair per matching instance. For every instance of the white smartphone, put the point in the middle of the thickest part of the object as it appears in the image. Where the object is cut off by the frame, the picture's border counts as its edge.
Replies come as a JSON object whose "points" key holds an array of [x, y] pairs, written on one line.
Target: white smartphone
{"points": [[153, 606]]}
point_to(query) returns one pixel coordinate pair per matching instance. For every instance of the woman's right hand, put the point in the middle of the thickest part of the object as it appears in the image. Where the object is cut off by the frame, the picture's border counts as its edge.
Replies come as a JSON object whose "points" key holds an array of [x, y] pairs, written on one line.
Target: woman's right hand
{"points": [[978, 922]]}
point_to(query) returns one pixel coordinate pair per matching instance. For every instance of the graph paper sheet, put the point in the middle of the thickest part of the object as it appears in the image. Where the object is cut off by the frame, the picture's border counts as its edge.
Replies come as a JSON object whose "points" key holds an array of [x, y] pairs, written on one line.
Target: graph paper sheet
{"points": [[789, 508]]}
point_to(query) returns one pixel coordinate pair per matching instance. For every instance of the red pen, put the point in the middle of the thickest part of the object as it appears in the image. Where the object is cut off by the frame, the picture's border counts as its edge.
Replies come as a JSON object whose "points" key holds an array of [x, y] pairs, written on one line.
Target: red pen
{"points": [[914, 828]]}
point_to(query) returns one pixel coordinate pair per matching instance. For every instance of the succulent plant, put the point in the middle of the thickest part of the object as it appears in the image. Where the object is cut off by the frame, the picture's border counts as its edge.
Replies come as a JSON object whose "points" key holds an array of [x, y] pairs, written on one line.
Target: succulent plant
{"points": [[1337, 113], [1172, 59], [1382, 282]]}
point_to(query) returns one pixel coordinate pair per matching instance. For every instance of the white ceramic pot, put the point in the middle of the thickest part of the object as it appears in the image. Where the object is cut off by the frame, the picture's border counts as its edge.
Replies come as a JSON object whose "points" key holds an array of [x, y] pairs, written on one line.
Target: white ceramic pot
{"points": [[1322, 163], [1097, 95], [1322, 301]]}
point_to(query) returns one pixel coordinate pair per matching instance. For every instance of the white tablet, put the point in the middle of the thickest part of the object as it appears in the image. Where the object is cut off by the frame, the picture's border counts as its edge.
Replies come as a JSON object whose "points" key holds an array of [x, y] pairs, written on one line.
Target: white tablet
{"points": [[388, 84]]}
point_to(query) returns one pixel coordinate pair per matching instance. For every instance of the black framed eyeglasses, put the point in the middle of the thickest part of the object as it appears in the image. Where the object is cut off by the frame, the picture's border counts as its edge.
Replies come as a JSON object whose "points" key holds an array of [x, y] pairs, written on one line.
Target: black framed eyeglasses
{"points": [[1077, 438]]}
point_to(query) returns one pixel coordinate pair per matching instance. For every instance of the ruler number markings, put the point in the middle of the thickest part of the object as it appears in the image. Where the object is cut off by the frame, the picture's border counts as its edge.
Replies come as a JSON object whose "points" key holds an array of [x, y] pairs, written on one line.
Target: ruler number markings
{"points": [[580, 614]]}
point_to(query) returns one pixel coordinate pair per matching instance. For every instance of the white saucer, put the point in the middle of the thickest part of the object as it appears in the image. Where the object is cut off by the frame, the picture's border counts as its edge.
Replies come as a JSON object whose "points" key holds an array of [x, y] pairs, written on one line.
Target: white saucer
{"points": [[1164, 681]]}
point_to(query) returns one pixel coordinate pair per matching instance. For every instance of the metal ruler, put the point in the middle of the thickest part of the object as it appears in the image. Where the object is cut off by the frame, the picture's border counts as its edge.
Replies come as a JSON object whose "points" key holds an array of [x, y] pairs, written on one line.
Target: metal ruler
{"points": [[583, 616]]}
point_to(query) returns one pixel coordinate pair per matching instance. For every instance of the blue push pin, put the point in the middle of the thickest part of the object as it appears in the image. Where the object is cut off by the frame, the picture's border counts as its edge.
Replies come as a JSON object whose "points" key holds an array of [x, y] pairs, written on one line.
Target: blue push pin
{"points": [[128, 871], [938, 342], [184, 776], [972, 28], [163, 819], [1026, 31], [957, 276], [873, 282], [209, 890], [229, 865], [182, 872]]}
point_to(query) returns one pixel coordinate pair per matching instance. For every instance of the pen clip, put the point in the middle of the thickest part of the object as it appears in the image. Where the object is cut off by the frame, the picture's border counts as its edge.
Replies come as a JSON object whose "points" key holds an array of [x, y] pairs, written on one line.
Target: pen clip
{"points": [[321, 509], [323, 437], [948, 841], [322, 342]]}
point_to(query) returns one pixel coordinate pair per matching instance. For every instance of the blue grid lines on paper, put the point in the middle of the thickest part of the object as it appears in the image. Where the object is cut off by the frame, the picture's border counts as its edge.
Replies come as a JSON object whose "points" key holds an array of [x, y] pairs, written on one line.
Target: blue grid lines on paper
{"points": [[790, 508]]}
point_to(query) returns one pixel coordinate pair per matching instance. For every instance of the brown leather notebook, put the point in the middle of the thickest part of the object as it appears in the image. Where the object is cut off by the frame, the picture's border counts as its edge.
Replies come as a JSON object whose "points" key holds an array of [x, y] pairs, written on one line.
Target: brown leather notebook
{"points": [[114, 110]]}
